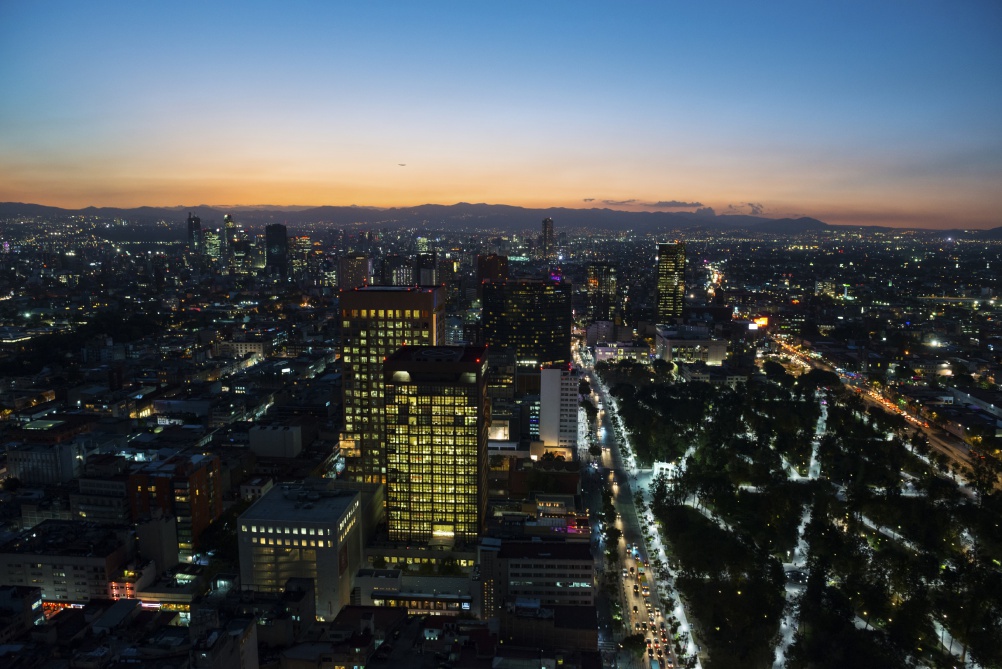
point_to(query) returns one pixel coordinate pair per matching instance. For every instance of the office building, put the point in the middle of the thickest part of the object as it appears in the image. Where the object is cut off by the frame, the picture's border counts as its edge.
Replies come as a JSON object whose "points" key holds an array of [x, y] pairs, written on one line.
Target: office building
{"points": [[437, 416], [376, 321], [547, 242], [532, 317], [558, 406], [671, 281], [276, 258], [302, 531], [354, 271]]}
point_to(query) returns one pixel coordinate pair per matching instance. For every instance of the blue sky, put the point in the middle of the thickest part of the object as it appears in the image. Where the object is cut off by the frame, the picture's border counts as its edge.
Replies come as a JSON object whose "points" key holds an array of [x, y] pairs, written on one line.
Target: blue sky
{"points": [[853, 112]]}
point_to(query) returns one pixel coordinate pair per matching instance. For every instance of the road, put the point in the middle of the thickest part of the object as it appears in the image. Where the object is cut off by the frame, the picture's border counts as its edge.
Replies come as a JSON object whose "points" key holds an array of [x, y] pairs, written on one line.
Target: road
{"points": [[953, 448], [622, 477]]}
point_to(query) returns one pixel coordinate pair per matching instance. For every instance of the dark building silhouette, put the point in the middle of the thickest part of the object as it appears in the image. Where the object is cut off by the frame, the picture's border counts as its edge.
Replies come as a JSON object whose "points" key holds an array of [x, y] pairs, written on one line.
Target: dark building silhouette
{"points": [[533, 318], [492, 268], [397, 270], [600, 287], [276, 260], [547, 245], [194, 233], [426, 269]]}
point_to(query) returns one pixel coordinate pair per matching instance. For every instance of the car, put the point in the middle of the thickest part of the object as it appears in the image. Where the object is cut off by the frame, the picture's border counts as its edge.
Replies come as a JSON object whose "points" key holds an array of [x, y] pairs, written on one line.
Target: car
{"points": [[636, 589], [643, 626], [635, 610]]}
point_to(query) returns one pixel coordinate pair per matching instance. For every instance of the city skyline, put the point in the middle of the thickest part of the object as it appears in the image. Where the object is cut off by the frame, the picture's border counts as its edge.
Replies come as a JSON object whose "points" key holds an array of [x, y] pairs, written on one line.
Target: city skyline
{"points": [[855, 114]]}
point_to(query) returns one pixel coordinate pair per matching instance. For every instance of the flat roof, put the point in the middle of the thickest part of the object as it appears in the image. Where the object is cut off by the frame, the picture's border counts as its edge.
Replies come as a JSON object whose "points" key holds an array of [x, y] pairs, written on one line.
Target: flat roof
{"points": [[546, 550], [306, 503]]}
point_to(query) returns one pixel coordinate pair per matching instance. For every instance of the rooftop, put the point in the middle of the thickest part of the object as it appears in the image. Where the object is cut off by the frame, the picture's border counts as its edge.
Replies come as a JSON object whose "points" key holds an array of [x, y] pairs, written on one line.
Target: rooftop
{"points": [[301, 502]]}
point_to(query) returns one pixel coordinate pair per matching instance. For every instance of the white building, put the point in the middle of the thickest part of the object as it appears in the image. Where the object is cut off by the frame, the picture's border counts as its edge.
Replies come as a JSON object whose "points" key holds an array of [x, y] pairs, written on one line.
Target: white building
{"points": [[306, 531], [558, 407]]}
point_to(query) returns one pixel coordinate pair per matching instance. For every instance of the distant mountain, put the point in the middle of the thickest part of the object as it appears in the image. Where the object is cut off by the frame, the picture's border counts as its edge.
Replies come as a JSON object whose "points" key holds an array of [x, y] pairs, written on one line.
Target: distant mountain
{"points": [[503, 218]]}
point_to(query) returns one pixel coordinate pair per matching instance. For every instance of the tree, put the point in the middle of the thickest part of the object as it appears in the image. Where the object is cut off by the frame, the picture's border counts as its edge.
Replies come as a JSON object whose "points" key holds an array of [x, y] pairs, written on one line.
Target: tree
{"points": [[635, 644]]}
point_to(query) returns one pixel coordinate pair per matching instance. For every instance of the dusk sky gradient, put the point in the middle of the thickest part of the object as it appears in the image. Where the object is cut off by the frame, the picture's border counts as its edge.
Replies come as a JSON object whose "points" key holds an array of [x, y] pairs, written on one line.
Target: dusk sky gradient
{"points": [[852, 112]]}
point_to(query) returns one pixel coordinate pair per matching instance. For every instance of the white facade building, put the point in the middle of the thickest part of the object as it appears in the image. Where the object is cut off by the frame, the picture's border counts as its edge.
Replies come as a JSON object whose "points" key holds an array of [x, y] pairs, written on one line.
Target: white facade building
{"points": [[558, 407]]}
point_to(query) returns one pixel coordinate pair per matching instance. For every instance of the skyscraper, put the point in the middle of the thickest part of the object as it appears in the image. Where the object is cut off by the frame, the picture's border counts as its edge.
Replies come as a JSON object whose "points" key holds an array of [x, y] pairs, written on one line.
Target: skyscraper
{"points": [[671, 281], [376, 321], [397, 271], [547, 246], [276, 241], [194, 233], [600, 288], [354, 271], [426, 269], [437, 415], [228, 240], [530, 316]]}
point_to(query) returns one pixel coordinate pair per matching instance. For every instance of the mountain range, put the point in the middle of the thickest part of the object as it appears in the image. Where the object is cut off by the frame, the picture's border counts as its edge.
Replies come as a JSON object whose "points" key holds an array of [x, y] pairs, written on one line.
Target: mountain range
{"points": [[503, 218]]}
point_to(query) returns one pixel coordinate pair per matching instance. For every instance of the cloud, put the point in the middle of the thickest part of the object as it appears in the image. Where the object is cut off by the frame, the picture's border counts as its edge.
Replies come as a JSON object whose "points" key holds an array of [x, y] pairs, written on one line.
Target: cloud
{"points": [[706, 211], [589, 199], [618, 203], [752, 208], [673, 204]]}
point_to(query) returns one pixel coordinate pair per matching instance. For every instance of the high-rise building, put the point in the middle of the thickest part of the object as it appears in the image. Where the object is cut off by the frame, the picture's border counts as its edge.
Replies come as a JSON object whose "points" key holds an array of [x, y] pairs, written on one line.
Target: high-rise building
{"points": [[437, 416], [558, 406], [354, 271], [600, 287], [671, 281], [187, 486], [194, 233], [212, 243], [426, 269], [299, 250], [228, 240], [547, 243], [397, 271], [276, 239], [531, 316], [376, 321]]}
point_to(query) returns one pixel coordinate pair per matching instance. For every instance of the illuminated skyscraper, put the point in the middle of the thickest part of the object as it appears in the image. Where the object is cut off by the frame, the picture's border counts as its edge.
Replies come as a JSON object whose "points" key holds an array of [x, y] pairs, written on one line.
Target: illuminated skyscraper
{"points": [[354, 271], [375, 322], [437, 415], [227, 241], [671, 281], [547, 245], [276, 239]]}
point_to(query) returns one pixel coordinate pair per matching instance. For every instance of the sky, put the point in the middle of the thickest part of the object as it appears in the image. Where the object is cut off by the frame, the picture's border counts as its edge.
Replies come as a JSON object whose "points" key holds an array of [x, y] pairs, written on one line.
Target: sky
{"points": [[874, 112]]}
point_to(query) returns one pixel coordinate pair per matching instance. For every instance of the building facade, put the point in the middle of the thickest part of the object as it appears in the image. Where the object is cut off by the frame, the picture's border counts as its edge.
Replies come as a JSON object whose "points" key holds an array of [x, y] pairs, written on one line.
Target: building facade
{"points": [[530, 316], [671, 281], [558, 406], [376, 321], [437, 417], [302, 531]]}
